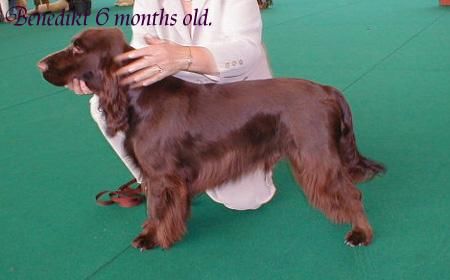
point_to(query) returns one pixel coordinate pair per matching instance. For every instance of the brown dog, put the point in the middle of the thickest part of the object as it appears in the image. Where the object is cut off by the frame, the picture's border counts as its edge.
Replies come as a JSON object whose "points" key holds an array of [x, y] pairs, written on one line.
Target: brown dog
{"points": [[189, 137]]}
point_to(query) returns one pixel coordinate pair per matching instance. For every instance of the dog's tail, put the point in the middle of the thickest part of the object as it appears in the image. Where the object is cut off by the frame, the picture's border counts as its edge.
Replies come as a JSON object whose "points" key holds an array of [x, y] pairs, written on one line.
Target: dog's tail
{"points": [[359, 167]]}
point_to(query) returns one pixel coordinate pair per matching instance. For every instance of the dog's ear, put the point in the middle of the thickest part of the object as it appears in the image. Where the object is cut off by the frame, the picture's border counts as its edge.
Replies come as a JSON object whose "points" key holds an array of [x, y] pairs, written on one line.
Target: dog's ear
{"points": [[118, 41], [113, 98], [114, 103]]}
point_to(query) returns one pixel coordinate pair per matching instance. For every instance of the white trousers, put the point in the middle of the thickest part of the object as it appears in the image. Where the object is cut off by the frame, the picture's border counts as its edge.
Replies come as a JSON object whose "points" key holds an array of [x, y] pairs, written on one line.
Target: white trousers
{"points": [[248, 192]]}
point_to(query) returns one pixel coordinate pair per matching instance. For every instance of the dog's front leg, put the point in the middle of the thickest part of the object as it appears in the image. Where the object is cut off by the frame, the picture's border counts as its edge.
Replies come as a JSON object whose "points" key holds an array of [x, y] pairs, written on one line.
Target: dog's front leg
{"points": [[168, 206]]}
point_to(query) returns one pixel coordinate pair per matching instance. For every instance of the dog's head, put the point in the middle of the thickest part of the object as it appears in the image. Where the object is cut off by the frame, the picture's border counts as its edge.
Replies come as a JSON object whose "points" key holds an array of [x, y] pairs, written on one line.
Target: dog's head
{"points": [[90, 57]]}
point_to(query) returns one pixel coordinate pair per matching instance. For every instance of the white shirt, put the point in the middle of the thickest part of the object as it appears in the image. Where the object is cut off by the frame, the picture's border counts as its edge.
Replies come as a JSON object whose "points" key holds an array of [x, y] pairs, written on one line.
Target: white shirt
{"points": [[234, 37]]}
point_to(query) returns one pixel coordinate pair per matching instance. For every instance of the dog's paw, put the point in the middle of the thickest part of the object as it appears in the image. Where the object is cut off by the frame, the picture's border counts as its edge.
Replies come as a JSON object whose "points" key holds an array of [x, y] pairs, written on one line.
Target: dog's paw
{"points": [[356, 238], [144, 242]]}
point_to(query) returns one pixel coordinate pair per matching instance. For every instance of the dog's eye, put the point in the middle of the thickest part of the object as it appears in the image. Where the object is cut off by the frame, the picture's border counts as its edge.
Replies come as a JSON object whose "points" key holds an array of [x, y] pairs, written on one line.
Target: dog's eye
{"points": [[76, 48]]}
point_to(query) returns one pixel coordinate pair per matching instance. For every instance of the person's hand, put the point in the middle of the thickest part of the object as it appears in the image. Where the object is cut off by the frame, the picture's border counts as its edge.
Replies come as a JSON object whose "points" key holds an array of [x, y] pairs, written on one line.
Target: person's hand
{"points": [[79, 87], [153, 63], [41, 8]]}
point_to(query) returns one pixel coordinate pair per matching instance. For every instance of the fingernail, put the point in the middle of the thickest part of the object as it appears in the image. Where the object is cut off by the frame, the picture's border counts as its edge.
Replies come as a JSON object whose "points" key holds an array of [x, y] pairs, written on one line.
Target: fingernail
{"points": [[130, 70], [130, 56]]}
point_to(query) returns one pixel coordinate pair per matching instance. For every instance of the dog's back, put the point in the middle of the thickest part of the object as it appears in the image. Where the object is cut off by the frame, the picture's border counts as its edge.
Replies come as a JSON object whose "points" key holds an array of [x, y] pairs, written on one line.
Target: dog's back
{"points": [[222, 108], [247, 124]]}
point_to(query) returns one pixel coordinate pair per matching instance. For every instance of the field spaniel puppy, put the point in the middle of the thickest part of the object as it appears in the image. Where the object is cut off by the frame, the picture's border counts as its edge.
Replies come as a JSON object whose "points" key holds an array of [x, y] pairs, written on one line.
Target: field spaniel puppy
{"points": [[186, 137]]}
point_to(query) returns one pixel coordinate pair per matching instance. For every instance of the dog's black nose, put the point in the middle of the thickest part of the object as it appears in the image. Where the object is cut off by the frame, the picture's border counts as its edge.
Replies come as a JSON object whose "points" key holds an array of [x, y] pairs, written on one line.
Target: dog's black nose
{"points": [[42, 66]]}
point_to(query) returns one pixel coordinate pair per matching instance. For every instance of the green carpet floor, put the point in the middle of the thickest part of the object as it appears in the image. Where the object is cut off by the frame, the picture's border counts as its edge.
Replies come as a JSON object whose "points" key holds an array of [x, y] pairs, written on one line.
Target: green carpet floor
{"points": [[391, 58]]}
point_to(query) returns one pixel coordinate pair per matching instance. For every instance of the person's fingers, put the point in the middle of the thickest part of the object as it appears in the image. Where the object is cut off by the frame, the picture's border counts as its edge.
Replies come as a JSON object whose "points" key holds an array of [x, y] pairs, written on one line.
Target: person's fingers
{"points": [[140, 76], [147, 51], [155, 78], [84, 88], [69, 85], [79, 87], [153, 40], [136, 66], [76, 86], [123, 57]]}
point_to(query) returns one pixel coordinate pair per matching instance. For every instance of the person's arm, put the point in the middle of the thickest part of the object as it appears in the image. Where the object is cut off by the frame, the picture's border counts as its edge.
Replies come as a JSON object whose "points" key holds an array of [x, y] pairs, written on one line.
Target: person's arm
{"points": [[233, 54], [202, 60], [240, 43], [161, 59], [157, 59]]}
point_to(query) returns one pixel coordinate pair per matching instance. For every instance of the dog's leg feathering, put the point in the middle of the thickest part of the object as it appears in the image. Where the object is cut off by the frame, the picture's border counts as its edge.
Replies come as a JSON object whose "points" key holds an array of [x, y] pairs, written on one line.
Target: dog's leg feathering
{"points": [[168, 205], [330, 189]]}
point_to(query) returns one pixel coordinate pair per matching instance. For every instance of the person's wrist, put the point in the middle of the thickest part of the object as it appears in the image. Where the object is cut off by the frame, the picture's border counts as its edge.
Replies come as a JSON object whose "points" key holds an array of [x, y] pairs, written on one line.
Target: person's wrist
{"points": [[185, 58], [188, 58]]}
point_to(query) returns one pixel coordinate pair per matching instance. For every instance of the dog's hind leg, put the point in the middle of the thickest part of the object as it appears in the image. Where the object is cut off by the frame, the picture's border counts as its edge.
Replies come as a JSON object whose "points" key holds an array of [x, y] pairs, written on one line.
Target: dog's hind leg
{"points": [[329, 188], [168, 203]]}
